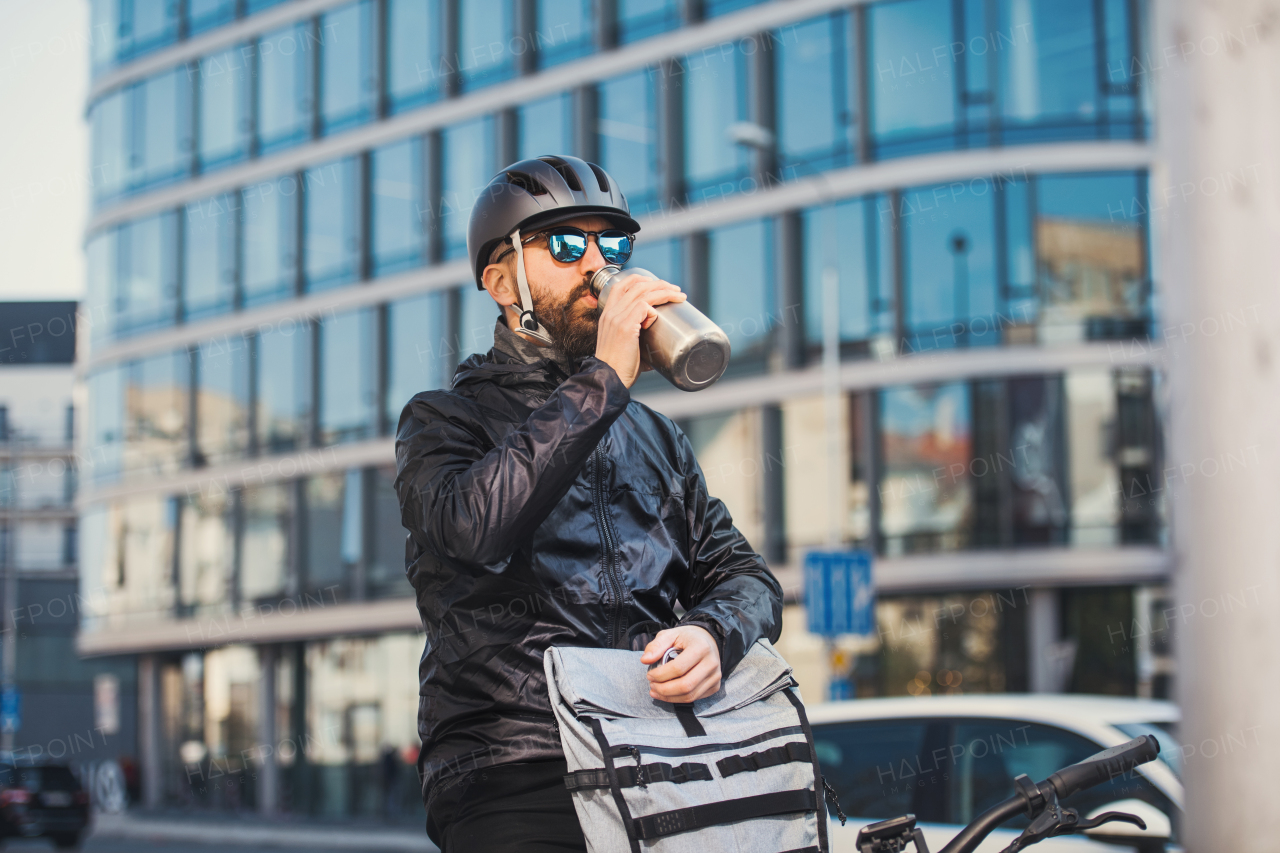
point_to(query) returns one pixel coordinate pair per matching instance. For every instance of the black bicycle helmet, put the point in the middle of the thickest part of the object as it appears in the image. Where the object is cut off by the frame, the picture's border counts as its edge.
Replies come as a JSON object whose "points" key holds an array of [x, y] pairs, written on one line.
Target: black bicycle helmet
{"points": [[539, 192]]}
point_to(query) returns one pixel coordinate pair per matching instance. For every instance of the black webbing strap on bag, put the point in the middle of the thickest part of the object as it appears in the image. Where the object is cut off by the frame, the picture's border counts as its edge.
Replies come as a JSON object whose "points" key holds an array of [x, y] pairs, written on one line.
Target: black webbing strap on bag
{"points": [[785, 754], [819, 783], [691, 725], [631, 777], [612, 773], [726, 811]]}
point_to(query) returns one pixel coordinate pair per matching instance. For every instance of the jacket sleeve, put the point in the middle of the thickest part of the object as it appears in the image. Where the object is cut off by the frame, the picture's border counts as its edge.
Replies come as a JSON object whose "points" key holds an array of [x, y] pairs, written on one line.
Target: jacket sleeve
{"points": [[473, 504], [731, 591]]}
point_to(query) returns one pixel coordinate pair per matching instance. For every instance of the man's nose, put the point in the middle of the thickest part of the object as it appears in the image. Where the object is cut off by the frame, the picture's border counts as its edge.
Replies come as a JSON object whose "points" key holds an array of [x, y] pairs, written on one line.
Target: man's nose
{"points": [[591, 259]]}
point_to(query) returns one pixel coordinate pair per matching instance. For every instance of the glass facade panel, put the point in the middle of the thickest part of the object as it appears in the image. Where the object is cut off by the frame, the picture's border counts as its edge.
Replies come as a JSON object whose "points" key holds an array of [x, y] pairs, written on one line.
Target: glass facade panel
{"points": [[206, 558], [638, 19], [284, 87], [926, 493], [206, 14], [102, 270], [334, 532], [386, 574], [414, 64], [663, 258], [106, 423], [222, 399], [348, 389], [742, 297], [142, 530], [282, 387], [713, 8], [270, 240], [150, 24], [265, 557], [949, 251], [348, 80], [418, 351], [396, 205], [715, 112], [627, 136], [1048, 71], [1094, 485], [814, 120], [332, 237], [477, 315], [110, 163], [911, 76], [162, 145], [147, 291], [469, 163], [546, 127], [104, 35], [846, 246], [566, 30], [721, 442], [486, 43], [252, 6], [209, 257], [155, 410], [223, 95], [1091, 245]]}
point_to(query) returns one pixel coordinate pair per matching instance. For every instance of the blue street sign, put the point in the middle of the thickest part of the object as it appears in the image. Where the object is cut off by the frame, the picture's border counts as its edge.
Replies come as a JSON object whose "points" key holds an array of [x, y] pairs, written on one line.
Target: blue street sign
{"points": [[838, 593], [10, 710]]}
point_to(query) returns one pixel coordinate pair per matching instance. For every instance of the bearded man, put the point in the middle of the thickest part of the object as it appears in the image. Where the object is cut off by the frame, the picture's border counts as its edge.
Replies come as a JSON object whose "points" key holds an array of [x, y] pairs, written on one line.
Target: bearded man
{"points": [[545, 507]]}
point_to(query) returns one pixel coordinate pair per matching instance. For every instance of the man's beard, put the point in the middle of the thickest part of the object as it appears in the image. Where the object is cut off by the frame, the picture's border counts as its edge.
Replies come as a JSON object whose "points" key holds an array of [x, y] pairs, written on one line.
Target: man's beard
{"points": [[571, 325]]}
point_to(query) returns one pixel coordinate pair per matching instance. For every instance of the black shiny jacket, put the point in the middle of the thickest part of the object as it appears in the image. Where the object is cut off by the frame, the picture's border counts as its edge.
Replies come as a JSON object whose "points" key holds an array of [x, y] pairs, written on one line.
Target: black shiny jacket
{"points": [[551, 509]]}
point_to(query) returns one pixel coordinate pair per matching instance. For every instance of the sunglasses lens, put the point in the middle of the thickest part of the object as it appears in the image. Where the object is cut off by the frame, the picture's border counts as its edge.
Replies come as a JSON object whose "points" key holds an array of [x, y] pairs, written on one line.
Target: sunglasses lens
{"points": [[567, 246], [615, 246]]}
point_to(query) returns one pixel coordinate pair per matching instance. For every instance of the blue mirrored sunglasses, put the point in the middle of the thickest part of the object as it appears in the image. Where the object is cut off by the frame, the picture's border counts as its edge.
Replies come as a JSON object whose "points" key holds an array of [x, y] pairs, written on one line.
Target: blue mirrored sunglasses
{"points": [[568, 244]]}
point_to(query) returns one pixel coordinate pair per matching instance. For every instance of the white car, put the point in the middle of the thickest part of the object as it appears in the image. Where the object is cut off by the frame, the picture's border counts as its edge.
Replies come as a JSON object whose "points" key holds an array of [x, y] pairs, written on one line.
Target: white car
{"points": [[947, 759]]}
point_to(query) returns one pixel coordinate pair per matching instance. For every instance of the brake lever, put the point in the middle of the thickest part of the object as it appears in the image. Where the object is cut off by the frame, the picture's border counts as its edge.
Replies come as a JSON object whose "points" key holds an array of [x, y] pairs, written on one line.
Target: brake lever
{"points": [[1108, 817], [1057, 820]]}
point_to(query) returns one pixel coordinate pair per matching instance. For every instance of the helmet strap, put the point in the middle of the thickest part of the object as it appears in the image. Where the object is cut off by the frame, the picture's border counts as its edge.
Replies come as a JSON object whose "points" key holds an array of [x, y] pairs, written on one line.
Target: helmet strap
{"points": [[528, 319]]}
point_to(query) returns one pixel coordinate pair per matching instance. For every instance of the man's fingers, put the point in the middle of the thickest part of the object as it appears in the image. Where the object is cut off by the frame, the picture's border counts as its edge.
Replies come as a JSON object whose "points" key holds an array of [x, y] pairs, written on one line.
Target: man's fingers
{"points": [[678, 666], [689, 686]]}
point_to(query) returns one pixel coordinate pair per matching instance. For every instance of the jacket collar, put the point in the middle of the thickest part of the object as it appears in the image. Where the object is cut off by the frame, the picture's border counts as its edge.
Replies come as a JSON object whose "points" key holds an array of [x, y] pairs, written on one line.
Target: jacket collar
{"points": [[522, 351]]}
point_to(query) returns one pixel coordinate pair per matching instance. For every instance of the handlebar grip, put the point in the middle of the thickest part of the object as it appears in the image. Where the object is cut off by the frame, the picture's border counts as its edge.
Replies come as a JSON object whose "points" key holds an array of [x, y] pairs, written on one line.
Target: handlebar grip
{"points": [[1107, 764]]}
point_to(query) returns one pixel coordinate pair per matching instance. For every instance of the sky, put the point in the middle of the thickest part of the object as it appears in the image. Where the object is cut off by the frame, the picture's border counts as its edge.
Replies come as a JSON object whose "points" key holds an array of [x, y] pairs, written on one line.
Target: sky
{"points": [[44, 171]]}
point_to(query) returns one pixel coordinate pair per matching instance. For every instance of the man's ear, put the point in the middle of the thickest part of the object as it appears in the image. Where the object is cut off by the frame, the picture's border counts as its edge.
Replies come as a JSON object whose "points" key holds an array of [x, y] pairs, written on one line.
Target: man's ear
{"points": [[501, 284]]}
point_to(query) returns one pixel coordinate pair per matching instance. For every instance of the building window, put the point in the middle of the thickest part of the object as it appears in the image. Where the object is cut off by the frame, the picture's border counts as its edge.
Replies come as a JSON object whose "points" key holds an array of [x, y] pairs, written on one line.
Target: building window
{"points": [[147, 289], [663, 258], [222, 400], [206, 556], [396, 207], [348, 81], [627, 136], [207, 14], [742, 299], [147, 25], [715, 109], [414, 62], [102, 271], [282, 387], [209, 256], [160, 142], [926, 493], [265, 556], [385, 576], [332, 224], [104, 21], [638, 19], [477, 316], [814, 122], [334, 535], [714, 8], [565, 31], [223, 96], [269, 243], [546, 127], [111, 157], [252, 6], [847, 246], [348, 389], [155, 409], [106, 423], [469, 164], [487, 43], [911, 87], [284, 98], [418, 350]]}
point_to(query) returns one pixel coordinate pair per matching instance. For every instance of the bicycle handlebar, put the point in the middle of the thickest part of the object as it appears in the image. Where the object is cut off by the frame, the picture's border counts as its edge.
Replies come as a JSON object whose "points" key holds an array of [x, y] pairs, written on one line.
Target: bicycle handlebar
{"points": [[1092, 771]]}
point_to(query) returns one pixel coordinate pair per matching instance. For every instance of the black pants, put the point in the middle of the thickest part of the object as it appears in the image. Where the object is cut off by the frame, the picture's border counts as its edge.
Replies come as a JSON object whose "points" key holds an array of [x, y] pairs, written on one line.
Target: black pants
{"points": [[508, 808]]}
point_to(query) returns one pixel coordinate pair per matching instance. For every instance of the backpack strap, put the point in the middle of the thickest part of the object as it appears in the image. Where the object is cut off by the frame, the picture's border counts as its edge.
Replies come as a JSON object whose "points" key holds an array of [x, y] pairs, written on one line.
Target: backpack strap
{"points": [[612, 772], [675, 821], [824, 844], [631, 777], [691, 725], [784, 754]]}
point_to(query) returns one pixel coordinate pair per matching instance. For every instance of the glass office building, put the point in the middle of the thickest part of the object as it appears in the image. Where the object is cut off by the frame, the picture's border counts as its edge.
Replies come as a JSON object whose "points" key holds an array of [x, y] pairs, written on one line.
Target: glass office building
{"points": [[950, 195]]}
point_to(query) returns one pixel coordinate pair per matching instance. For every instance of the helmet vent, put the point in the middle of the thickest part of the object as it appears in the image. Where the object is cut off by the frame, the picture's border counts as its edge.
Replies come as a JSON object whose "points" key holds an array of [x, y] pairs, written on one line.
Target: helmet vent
{"points": [[566, 171], [601, 178], [526, 182]]}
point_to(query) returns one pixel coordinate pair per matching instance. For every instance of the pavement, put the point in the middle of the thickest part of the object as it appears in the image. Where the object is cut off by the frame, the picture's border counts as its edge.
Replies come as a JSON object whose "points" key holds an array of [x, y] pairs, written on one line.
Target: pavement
{"points": [[117, 833]]}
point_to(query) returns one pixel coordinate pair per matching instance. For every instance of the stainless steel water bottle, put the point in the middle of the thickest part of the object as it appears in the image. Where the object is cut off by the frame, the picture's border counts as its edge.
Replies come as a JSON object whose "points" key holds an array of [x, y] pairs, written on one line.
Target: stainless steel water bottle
{"points": [[682, 344]]}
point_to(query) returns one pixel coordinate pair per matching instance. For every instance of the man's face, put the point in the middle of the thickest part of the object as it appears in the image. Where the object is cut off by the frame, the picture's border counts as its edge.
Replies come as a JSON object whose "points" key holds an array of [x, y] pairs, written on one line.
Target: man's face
{"points": [[561, 292]]}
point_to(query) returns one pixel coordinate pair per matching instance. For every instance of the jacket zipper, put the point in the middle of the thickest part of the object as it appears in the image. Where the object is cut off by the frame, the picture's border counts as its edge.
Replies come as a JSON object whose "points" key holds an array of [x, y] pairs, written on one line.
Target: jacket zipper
{"points": [[607, 540]]}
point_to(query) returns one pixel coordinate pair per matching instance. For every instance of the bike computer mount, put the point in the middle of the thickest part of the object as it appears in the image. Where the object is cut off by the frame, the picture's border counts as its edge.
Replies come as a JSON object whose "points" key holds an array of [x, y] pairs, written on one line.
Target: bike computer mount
{"points": [[1049, 819]]}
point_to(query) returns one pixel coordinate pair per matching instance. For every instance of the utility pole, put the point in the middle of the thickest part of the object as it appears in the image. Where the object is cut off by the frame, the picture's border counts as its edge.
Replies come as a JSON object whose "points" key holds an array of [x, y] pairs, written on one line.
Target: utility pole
{"points": [[1214, 211]]}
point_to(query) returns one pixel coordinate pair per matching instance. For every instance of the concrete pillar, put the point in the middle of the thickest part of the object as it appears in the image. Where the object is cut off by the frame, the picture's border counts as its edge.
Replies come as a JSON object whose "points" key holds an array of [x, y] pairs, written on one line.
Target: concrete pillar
{"points": [[149, 765], [1216, 218], [1043, 631], [268, 740]]}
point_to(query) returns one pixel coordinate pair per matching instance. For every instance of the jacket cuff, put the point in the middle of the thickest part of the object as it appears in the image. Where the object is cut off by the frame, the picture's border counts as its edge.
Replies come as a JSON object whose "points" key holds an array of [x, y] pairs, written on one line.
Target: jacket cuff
{"points": [[612, 381]]}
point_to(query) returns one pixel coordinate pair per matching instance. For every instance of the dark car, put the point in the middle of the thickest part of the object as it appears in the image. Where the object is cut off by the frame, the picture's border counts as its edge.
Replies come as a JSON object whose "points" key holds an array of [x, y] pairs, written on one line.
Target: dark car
{"points": [[44, 800]]}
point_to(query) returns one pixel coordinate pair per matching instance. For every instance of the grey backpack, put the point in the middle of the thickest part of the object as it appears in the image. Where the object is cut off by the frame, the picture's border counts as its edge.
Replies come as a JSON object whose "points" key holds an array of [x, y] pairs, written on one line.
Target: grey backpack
{"points": [[736, 771]]}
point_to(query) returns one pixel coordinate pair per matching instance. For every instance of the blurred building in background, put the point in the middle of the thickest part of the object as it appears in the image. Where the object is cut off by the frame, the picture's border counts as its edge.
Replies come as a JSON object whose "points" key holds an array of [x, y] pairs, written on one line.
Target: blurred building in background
{"points": [[68, 710], [277, 263]]}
